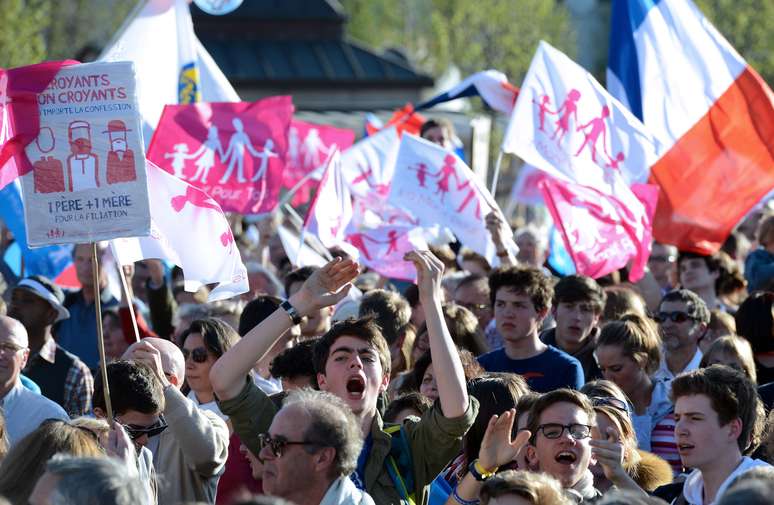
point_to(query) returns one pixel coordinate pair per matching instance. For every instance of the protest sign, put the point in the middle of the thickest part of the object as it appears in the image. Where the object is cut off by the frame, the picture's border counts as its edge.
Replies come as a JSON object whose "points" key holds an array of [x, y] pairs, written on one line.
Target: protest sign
{"points": [[438, 188], [382, 249], [88, 181], [309, 145], [235, 152]]}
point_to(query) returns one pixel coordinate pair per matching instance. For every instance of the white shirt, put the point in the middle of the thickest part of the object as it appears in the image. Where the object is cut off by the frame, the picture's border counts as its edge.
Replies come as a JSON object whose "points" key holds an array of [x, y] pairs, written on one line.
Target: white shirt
{"points": [[693, 490], [211, 406], [663, 373], [24, 411]]}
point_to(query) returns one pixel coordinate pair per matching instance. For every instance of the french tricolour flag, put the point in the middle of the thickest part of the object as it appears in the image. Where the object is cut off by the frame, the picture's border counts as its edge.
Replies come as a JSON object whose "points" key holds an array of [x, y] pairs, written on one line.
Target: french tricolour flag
{"points": [[711, 111]]}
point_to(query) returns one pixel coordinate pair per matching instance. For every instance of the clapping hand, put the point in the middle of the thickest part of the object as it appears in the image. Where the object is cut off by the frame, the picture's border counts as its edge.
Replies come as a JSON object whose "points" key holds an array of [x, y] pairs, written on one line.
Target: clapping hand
{"points": [[326, 287], [497, 447]]}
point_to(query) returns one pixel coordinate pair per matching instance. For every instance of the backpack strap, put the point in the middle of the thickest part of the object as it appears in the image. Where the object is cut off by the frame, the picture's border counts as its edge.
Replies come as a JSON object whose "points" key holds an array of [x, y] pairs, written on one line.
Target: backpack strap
{"points": [[400, 464]]}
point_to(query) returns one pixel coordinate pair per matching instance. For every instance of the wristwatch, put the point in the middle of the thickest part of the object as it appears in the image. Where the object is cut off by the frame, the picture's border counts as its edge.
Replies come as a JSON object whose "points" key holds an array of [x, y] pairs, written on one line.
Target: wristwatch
{"points": [[295, 317]]}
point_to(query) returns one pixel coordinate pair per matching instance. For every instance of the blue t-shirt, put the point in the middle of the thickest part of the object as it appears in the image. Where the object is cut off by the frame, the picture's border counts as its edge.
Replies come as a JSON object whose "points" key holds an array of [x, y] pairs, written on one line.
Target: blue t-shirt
{"points": [[549, 370]]}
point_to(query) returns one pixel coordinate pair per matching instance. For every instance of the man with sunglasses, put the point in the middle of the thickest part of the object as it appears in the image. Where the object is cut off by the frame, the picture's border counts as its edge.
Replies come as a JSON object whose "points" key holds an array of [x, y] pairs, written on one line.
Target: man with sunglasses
{"points": [[352, 361], [23, 409], [192, 450], [560, 422], [682, 318]]}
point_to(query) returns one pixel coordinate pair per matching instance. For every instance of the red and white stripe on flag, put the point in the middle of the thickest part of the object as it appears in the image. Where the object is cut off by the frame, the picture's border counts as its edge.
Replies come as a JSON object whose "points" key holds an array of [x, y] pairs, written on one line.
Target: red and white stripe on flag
{"points": [[331, 210], [714, 114]]}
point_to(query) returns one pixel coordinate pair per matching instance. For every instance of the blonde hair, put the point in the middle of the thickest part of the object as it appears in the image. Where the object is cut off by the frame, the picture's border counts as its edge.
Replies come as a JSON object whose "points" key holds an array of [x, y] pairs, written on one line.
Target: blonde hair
{"points": [[628, 437], [736, 347], [536, 488]]}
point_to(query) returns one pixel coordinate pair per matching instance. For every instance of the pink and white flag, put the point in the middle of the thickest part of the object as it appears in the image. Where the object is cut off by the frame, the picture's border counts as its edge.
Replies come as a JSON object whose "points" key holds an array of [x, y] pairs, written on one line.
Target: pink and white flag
{"points": [[309, 145], [567, 125], [439, 188], [368, 165], [602, 233], [235, 152], [382, 249], [189, 229], [331, 210]]}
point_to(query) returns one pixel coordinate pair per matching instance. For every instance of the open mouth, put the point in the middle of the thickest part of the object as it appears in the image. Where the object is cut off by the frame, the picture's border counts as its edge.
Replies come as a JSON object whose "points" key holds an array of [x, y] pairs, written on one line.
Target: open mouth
{"points": [[356, 386], [566, 458], [685, 447]]}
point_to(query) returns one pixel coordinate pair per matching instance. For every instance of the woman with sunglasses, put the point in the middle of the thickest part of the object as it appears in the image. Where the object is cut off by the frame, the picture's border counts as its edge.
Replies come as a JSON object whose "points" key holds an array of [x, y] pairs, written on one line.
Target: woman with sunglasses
{"points": [[629, 353], [202, 343]]}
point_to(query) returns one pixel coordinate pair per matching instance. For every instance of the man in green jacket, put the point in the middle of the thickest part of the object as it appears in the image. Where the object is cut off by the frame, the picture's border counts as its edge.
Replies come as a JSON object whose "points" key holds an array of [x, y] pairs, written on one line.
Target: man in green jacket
{"points": [[353, 362]]}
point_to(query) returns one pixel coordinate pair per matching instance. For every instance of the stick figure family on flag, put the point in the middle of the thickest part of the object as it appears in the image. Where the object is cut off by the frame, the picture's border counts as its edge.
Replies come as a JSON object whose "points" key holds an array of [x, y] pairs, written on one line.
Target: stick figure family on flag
{"points": [[233, 157]]}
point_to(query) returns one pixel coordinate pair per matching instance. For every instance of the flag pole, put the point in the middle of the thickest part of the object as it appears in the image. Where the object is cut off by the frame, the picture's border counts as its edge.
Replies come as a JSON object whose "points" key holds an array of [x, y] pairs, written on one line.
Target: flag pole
{"points": [[292, 191], [301, 238], [100, 336], [294, 215], [128, 297], [496, 173]]}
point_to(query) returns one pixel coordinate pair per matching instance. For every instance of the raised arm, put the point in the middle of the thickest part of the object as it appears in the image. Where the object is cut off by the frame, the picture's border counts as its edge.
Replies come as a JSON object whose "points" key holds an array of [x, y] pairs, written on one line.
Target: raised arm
{"points": [[501, 236], [449, 374], [323, 289]]}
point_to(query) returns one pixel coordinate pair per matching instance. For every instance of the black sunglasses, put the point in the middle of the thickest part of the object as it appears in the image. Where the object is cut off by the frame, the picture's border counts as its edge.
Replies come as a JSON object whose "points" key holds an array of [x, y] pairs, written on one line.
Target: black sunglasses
{"points": [[677, 316], [555, 430], [610, 402], [136, 432], [199, 354], [276, 445]]}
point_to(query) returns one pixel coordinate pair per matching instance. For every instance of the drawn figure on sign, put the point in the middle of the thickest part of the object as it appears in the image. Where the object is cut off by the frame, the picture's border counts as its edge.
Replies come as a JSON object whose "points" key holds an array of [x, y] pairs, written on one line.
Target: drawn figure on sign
{"points": [[206, 155], [120, 159], [392, 241], [178, 155], [48, 172], [446, 172], [597, 128], [82, 164], [543, 108], [265, 155], [365, 175], [313, 146], [568, 108], [235, 154], [422, 173]]}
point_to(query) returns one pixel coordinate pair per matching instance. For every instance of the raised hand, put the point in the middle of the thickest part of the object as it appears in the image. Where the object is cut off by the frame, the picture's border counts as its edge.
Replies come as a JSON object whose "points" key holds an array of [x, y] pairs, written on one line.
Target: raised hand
{"points": [[148, 355], [429, 275], [609, 453], [497, 447], [326, 287], [120, 447]]}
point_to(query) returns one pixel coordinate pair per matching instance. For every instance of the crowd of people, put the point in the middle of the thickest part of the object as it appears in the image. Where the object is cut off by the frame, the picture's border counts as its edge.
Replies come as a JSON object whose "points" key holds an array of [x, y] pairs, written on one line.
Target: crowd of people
{"points": [[334, 385]]}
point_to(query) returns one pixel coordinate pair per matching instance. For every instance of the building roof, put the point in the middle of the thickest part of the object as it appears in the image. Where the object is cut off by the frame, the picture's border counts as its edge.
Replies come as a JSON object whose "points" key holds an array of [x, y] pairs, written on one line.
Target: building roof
{"points": [[297, 44]]}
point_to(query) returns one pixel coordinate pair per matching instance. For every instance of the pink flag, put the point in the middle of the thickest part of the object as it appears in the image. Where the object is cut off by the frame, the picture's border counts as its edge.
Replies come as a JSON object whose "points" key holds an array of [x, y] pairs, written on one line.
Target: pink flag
{"points": [[309, 145], [438, 188], [189, 229], [382, 249], [331, 210], [602, 233], [235, 152]]}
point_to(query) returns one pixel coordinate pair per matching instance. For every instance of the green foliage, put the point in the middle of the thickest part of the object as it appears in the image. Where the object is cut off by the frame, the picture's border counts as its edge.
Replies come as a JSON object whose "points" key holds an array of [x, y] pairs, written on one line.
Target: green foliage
{"points": [[749, 27], [21, 36], [37, 30], [474, 36]]}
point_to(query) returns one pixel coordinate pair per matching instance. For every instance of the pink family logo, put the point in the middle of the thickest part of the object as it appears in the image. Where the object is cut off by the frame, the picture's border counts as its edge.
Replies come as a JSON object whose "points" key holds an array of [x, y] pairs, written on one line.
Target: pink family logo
{"points": [[366, 175], [443, 179], [592, 130], [198, 198], [359, 240]]}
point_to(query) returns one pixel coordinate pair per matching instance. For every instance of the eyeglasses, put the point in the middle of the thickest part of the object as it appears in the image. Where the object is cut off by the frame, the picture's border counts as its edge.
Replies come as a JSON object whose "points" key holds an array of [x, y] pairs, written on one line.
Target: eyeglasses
{"points": [[136, 432], [199, 354], [10, 348], [276, 445], [555, 430], [677, 316], [663, 259], [609, 401]]}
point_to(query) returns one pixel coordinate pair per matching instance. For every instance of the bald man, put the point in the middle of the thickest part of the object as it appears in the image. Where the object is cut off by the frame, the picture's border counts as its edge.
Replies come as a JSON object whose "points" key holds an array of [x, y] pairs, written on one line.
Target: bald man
{"points": [[191, 452], [23, 409]]}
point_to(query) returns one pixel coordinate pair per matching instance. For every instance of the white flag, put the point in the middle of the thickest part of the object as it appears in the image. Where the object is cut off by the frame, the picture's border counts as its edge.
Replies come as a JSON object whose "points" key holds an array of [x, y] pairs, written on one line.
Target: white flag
{"points": [[331, 210], [189, 229], [171, 64], [566, 124], [368, 164], [437, 187]]}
